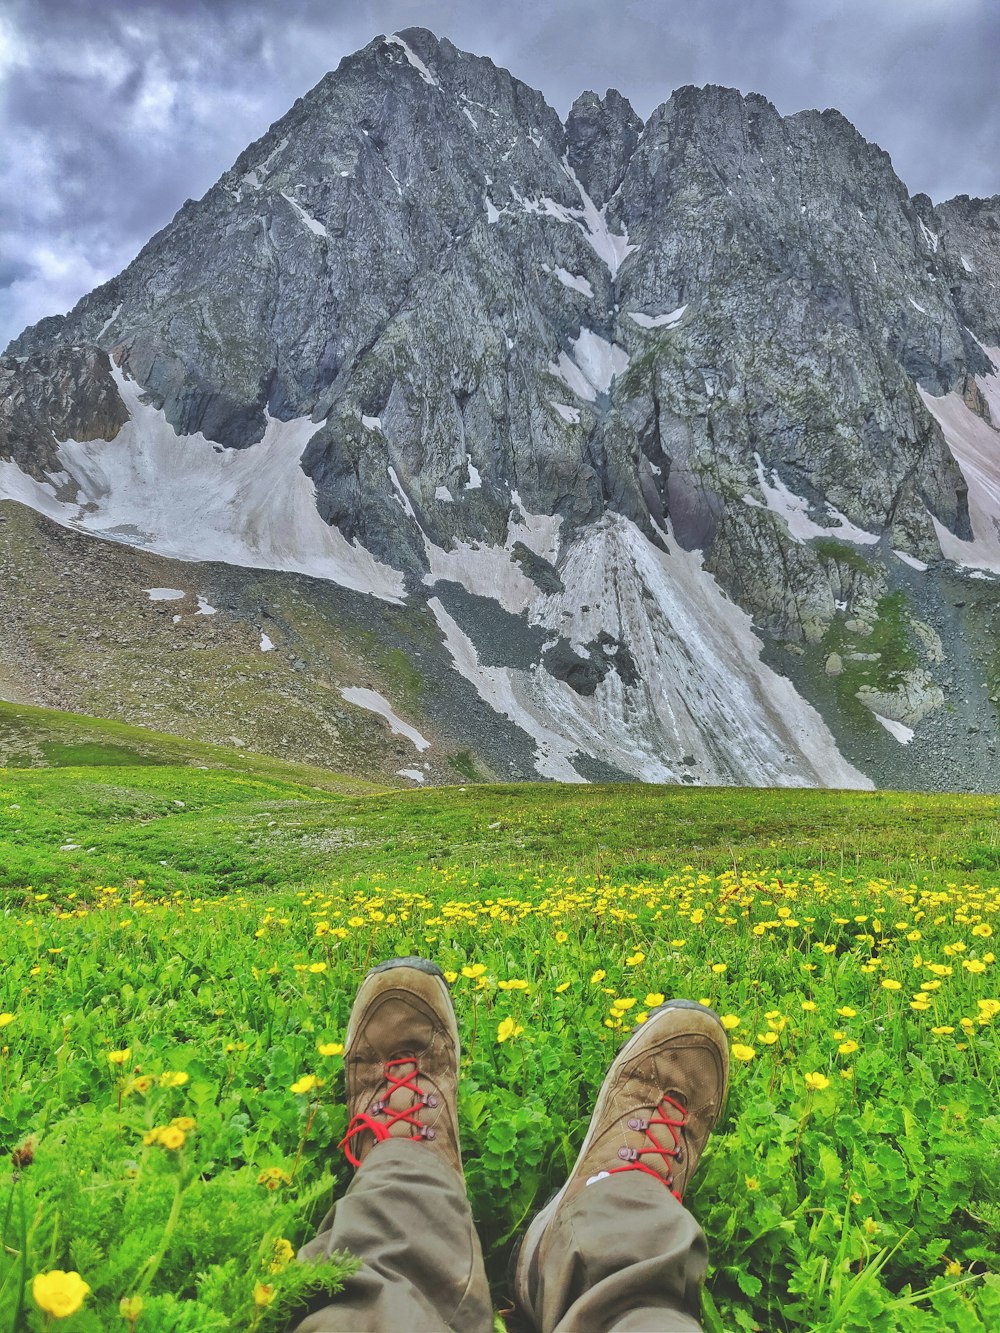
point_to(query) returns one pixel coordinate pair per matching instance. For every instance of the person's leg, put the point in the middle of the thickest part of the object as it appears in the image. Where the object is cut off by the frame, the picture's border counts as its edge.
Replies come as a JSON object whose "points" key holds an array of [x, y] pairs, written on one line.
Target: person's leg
{"points": [[616, 1249], [405, 1214]]}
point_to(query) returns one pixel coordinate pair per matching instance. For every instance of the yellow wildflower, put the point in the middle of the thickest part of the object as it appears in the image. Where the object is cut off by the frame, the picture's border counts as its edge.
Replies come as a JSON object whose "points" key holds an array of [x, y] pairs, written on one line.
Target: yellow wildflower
{"points": [[119, 1058], [474, 970], [653, 999], [173, 1079], [263, 1294], [743, 1052], [508, 1028], [889, 983], [307, 1083], [330, 1048], [817, 1082], [59, 1294]]}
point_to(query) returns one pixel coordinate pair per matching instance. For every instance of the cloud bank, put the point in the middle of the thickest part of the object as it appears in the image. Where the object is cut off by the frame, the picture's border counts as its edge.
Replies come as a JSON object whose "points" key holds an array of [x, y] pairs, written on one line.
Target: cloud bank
{"points": [[115, 113]]}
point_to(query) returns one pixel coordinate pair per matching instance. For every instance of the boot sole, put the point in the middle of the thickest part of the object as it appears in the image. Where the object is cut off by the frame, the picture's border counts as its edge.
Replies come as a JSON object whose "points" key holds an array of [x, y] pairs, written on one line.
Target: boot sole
{"points": [[541, 1220]]}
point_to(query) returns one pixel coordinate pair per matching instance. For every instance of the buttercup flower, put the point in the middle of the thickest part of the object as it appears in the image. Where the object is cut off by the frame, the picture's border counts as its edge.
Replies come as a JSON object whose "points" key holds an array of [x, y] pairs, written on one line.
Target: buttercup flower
{"points": [[307, 1083], [59, 1294], [817, 1082]]}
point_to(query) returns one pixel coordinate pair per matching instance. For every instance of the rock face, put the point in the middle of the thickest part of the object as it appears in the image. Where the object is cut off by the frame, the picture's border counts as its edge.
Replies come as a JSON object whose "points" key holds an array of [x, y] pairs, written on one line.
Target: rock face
{"points": [[595, 400]]}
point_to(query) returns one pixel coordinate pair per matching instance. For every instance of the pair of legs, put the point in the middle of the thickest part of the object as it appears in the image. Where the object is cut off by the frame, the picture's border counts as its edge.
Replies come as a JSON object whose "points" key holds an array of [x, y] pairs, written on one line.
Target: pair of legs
{"points": [[615, 1249]]}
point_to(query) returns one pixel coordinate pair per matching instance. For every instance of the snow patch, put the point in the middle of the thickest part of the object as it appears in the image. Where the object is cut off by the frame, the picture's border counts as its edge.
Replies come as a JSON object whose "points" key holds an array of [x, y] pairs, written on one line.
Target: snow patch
{"points": [[472, 120], [916, 305], [184, 497], [205, 607], [657, 321], [475, 480], [931, 238], [496, 686], [108, 322], [378, 703], [266, 646], [902, 733], [975, 445], [698, 685], [371, 423], [414, 59], [595, 362], [165, 594], [794, 509], [414, 774], [574, 280], [401, 496], [910, 560], [443, 494], [314, 225], [570, 414], [966, 265]]}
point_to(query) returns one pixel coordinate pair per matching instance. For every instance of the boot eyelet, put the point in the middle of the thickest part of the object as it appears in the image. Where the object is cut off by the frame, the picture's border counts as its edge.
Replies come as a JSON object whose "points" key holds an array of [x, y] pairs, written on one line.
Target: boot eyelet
{"points": [[635, 1123], [628, 1154], [428, 1132], [430, 1100]]}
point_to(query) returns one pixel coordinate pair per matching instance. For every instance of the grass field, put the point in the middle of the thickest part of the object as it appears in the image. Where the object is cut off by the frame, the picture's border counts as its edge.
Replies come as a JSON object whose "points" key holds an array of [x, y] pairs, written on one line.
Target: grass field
{"points": [[184, 929]]}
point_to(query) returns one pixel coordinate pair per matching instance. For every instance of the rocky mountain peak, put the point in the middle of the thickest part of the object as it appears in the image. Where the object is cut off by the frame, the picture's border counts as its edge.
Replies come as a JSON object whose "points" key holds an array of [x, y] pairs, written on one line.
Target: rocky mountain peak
{"points": [[594, 404], [601, 135]]}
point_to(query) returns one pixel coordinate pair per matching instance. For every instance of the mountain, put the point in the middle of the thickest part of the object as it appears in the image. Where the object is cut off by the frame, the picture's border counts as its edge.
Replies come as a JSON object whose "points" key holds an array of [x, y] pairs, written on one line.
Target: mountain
{"points": [[504, 447]]}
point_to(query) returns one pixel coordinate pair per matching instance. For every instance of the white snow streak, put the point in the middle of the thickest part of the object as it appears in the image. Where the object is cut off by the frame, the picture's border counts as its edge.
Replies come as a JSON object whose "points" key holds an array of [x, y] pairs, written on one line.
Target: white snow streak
{"points": [[475, 480], [414, 774], [185, 497], [414, 59], [899, 730], [314, 225], [594, 364], [794, 509], [574, 280], [570, 414], [378, 703], [657, 321], [401, 496], [108, 322], [910, 560], [916, 305], [497, 686], [975, 445], [700, 686]]}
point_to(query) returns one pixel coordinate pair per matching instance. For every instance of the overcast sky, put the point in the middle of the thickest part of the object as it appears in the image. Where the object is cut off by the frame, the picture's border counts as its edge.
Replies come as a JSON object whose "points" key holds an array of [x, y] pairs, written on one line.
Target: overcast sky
{"points": [[113, 112]]}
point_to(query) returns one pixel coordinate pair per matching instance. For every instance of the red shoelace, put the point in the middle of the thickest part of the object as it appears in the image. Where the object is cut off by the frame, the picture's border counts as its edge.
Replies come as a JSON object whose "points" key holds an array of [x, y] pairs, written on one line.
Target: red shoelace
{"points": [[381, 1129], [631, 1156]]}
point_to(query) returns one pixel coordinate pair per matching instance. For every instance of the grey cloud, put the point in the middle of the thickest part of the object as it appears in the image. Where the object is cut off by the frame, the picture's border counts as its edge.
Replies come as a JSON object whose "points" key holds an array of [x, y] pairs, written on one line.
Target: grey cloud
{"points": [[114, 113]]}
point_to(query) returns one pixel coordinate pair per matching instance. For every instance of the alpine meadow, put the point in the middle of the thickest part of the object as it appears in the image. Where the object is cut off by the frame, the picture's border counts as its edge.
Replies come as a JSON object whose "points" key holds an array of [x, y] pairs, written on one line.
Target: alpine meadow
{"points": [[559, 554]]}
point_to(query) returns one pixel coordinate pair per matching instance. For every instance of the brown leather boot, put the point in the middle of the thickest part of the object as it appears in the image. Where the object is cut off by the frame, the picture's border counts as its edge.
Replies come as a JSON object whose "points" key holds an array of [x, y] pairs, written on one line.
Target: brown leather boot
{"points": [[655, 1110], [401, 1057]]}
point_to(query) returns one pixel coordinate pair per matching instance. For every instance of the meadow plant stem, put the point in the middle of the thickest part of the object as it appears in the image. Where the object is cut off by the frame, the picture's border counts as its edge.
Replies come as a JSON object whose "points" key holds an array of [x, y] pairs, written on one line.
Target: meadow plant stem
{"points": [[310, 1117], [153, 1264]]}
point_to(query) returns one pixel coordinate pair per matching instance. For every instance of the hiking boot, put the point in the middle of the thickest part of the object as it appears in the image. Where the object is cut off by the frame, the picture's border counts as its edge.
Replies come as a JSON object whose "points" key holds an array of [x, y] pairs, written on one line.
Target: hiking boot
{"points": [[655, 1110], [401, 1061]]}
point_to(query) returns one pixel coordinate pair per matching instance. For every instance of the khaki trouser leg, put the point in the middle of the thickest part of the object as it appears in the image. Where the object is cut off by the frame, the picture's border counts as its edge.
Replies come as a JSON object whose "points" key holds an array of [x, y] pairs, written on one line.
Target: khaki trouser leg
{"points": [[405, 1215], [624, 1255]]}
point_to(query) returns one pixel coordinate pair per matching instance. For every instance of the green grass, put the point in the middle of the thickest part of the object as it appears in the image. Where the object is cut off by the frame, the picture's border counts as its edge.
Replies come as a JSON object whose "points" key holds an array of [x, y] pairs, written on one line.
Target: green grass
{"points": [[211, 914]]}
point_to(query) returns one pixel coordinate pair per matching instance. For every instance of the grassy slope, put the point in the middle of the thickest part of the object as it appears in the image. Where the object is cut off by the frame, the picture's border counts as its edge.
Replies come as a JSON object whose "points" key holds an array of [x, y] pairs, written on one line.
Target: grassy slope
{"points": [[183, 815], [238, 992]]}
